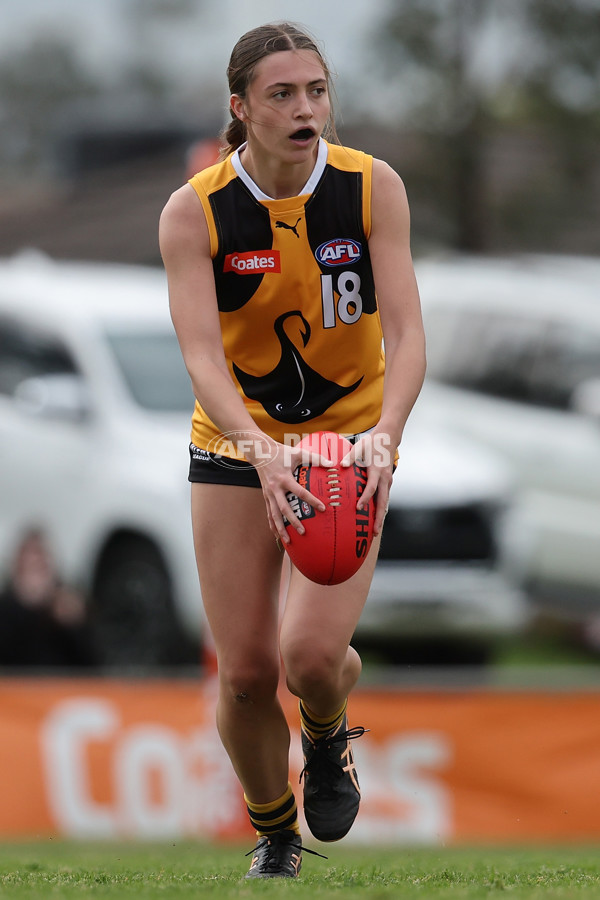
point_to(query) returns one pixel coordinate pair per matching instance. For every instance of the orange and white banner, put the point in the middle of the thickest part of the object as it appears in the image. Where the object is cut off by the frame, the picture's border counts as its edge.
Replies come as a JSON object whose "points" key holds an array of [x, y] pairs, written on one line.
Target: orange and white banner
{"points": [[109, 759]]}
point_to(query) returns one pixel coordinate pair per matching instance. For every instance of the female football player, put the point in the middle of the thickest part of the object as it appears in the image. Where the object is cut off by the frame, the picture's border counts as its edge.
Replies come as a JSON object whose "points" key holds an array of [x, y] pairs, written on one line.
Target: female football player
{"points": [[288, 261]]}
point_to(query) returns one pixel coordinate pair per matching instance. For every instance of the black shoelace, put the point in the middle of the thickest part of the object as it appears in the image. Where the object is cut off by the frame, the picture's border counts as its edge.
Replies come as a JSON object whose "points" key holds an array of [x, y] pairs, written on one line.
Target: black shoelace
{"points": [[320, 759], [276, 854]]}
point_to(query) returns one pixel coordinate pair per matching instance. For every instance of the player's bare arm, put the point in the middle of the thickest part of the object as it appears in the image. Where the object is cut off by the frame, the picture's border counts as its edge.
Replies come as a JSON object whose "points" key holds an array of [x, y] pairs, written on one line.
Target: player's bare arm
{"points": [[404, 340]]}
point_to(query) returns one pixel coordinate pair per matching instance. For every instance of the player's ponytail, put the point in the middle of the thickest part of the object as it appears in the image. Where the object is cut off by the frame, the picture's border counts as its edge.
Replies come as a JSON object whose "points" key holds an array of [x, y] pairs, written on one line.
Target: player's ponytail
{"points": [[232, 137]]}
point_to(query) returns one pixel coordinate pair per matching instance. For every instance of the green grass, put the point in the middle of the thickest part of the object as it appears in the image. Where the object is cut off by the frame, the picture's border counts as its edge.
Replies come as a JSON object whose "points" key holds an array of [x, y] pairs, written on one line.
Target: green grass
{"points": [[56, 869]]}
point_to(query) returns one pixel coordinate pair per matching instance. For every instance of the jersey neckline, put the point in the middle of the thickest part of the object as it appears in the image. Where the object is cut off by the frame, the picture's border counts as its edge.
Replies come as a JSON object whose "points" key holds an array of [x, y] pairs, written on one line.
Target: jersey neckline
{"points": [[258, 194]]}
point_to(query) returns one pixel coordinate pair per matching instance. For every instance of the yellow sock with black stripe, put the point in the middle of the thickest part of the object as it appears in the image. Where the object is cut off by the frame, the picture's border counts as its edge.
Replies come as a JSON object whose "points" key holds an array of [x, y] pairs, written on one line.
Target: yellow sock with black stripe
{"points": [[279, 815], [318, 726]]}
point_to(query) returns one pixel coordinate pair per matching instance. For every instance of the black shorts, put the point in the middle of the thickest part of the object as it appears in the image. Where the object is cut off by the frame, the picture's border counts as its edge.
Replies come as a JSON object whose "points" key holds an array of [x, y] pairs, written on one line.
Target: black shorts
{"points": [[212, 468]]}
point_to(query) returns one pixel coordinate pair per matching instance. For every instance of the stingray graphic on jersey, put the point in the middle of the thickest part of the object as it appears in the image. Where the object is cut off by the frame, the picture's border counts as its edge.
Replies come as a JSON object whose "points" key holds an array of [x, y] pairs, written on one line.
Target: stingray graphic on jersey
{"points": [[292, 392]]}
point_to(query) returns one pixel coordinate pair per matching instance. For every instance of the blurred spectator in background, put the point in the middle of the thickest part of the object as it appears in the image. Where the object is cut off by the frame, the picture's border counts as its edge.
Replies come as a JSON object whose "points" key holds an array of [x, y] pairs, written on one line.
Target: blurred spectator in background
{"points": [[42, 622]]}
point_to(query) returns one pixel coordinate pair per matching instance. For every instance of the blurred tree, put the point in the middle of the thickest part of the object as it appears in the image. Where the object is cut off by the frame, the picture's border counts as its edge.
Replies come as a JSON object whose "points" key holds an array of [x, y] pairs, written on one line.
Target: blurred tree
{"points": [[46, 89], [470, 67], [35, 84], [563, 89]]}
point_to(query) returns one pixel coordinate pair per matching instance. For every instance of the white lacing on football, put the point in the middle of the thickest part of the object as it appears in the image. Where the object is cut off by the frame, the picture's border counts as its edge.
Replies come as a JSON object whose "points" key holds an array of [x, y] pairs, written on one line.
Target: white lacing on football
{"points": [[333, 487]]}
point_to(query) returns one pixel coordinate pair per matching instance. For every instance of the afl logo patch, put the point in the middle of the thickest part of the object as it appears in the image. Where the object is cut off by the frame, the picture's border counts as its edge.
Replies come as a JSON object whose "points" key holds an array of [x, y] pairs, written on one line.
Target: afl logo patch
{"points": [[338, 252]]}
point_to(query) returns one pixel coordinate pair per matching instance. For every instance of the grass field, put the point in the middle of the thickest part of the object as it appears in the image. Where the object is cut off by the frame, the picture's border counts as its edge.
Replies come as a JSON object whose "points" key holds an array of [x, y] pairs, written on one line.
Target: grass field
{"points": [[55, 869]]}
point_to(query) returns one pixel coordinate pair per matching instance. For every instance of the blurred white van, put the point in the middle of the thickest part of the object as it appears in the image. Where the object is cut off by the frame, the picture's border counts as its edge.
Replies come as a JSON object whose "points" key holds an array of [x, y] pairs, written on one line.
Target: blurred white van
{"points": [[514, 363]]}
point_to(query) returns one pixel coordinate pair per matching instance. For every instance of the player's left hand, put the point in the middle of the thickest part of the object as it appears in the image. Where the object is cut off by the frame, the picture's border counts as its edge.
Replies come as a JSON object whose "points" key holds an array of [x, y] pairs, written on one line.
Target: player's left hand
{"points": [[375, 452]]}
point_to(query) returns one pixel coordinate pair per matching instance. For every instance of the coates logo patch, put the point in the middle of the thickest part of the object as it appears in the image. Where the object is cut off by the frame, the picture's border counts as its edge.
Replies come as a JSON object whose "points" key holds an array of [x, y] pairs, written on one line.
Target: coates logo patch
{"points": [[253, 262], [339, 252]]}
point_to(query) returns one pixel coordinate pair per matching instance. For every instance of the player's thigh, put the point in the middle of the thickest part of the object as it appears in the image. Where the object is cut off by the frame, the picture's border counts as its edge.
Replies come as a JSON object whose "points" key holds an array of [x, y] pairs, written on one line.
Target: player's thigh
{"points": [[322, 618], [239, 566]]}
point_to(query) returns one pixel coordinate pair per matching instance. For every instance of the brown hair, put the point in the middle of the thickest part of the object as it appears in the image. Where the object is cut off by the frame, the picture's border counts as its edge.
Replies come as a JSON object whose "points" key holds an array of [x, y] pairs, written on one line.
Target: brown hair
{"points": [[249, 50]]}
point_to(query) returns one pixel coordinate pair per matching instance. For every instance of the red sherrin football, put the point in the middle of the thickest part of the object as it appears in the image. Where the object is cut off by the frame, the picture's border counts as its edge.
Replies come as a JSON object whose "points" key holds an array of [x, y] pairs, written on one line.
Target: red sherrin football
{"points": [[336, 542]]}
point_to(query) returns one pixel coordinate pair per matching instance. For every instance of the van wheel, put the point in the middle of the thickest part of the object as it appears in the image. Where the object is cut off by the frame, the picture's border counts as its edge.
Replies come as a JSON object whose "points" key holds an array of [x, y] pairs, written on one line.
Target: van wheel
{"points": [[132, 613]]}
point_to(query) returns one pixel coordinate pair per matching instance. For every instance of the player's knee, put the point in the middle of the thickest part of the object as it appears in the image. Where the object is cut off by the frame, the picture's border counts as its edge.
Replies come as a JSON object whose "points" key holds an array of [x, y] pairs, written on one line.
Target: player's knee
{"points": [[309, 669], [250, 682]]}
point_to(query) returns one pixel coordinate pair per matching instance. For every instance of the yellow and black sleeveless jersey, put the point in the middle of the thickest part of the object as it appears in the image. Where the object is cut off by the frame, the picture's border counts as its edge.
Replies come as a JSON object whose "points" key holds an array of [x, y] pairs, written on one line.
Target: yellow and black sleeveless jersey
{"points": [[297, 304]]}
